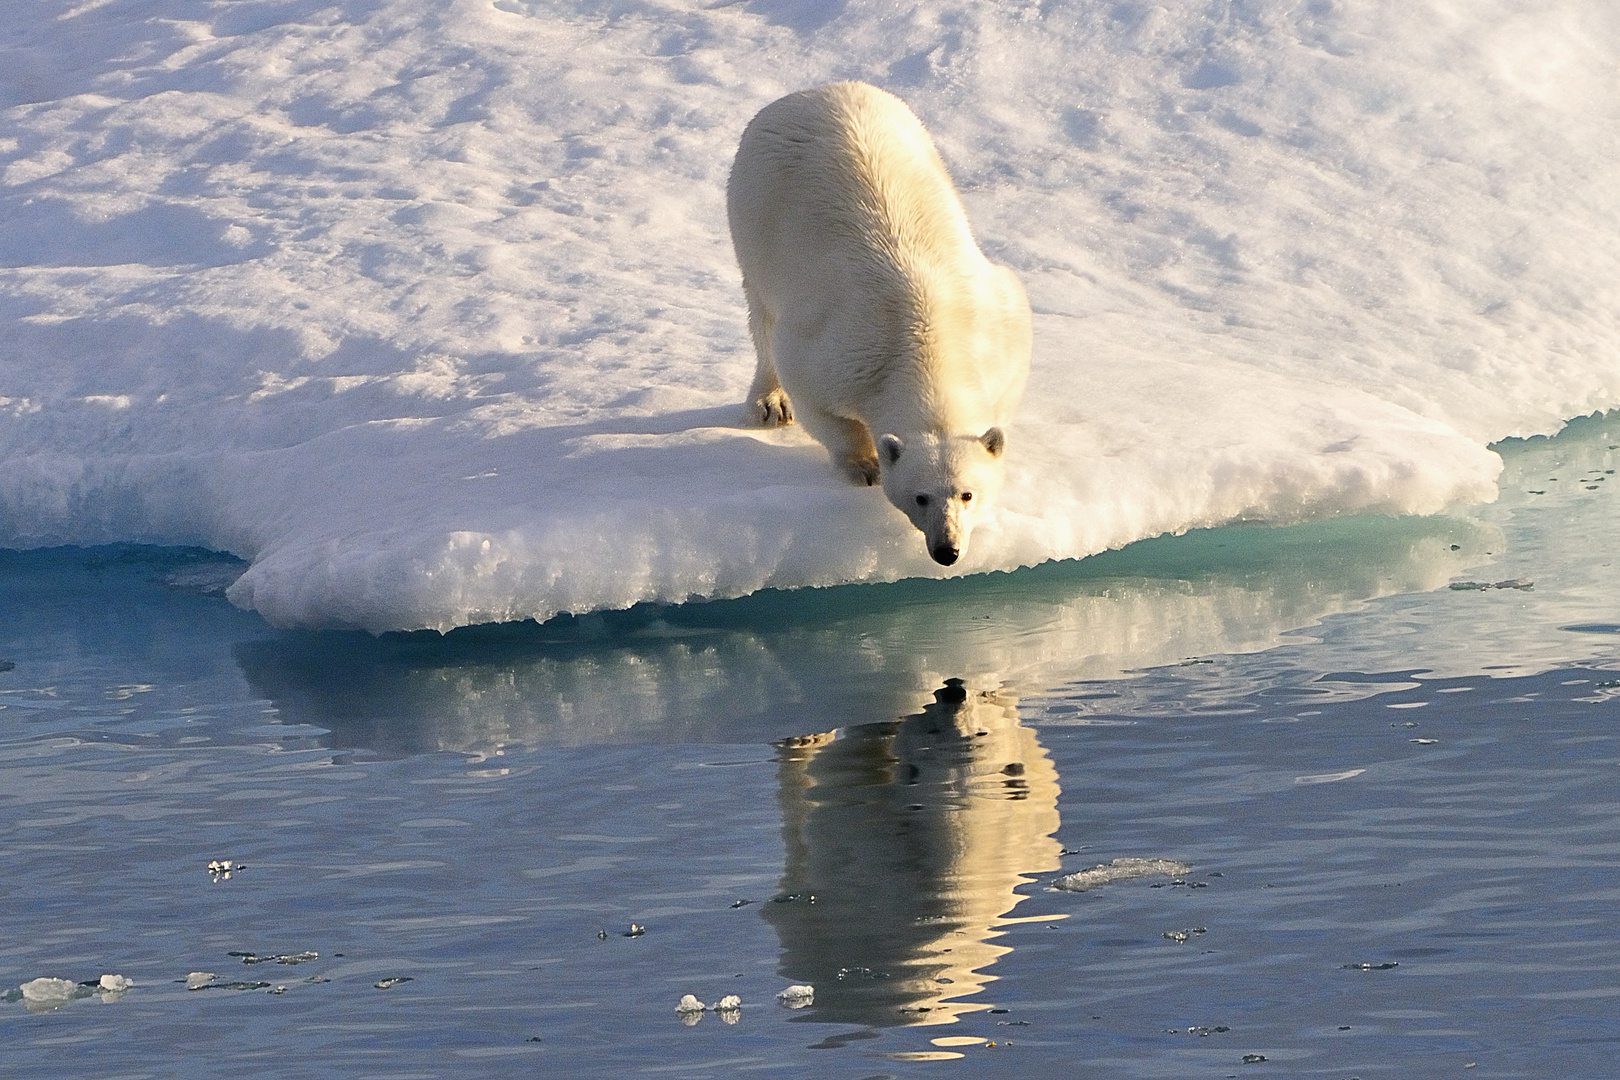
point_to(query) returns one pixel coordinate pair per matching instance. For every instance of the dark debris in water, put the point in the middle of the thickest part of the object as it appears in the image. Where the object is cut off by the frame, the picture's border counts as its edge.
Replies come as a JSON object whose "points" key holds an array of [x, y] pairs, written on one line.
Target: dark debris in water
{"points": [[1253, 1059], [636, 930], [1484, 586], [844, 973], [276, 958]]}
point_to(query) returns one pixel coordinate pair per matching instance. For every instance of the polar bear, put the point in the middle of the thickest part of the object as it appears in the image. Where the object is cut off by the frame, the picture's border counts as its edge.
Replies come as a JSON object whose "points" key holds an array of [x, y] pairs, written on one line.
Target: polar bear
{"points": [[878, 323]]}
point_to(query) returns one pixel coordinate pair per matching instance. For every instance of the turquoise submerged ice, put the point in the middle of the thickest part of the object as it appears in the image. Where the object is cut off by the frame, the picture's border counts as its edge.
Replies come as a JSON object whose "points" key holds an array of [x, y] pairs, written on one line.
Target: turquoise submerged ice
{"points": [[429, 312]]}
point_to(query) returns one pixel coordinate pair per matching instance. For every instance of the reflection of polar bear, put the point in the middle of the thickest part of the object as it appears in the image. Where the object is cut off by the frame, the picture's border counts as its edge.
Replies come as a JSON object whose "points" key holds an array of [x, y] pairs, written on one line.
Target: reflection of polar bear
{"points": [[912, 837], [872, 310]]}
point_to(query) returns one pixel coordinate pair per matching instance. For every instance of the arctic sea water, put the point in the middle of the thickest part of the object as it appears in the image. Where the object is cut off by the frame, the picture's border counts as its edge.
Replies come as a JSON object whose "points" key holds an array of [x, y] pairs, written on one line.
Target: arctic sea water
{"points": [[1376, 756]]}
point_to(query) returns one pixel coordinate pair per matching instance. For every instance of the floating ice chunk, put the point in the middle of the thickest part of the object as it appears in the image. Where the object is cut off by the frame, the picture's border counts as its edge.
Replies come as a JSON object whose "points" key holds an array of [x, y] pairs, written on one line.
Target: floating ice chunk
{"points": [[48, 991], [199, 979], [390, 982], [690, 1010], [729, 1003], [1119, 870], [115, 984], [797, 997]]}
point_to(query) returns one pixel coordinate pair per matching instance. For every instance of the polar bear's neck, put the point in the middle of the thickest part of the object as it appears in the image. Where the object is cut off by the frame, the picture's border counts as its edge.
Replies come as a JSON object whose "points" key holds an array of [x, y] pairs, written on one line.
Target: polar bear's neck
{"points": [[940, 374]]}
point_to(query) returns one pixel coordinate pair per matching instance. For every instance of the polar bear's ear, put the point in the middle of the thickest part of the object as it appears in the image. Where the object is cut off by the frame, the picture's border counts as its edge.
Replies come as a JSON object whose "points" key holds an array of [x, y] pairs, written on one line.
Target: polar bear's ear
{"points": [[891, 447], [994, 441]]}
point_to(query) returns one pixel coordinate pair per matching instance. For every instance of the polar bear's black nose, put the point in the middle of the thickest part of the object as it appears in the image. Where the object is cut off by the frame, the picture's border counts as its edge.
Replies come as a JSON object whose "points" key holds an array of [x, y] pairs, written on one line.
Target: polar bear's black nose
{"points": [[945, 554]]}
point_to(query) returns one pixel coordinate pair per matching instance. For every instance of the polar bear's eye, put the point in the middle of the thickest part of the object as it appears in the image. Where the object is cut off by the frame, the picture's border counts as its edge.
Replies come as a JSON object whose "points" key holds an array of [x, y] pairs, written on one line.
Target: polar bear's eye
{"points": [[922, 500], [967, 496]]}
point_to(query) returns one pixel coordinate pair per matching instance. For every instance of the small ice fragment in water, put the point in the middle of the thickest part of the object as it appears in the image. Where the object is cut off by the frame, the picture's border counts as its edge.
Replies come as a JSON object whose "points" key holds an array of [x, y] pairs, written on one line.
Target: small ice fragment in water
{"points": [[741, 903], [115, 984], [1179, 936], [276, 990], [48, 991], [1424, 742], [1328, 778], [1251, 1059], [391, 982], [729, 1003], [1119, 870], [1372, 967], [797, 996], [690, 1004], [221, 869], [199, 979]]}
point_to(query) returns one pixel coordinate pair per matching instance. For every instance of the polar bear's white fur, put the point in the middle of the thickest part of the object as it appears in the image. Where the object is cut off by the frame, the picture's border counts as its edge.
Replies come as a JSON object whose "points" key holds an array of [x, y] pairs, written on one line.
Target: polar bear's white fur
{"points": [[878, 323]]}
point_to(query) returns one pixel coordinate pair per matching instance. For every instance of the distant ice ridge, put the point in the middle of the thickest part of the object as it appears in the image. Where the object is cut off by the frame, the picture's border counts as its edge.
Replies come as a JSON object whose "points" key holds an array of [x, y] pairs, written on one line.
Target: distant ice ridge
{"points": [[428, 308]]}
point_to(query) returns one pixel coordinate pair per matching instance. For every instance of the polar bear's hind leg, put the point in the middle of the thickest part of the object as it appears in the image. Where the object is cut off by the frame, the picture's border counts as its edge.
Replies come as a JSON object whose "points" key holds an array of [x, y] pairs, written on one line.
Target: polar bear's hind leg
{"points": [[768, 400]]}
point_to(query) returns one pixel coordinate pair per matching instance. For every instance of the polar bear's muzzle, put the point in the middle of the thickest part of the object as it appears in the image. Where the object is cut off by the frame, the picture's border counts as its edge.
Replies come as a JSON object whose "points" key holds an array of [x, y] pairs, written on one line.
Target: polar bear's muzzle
{"points": [[945, 533]]}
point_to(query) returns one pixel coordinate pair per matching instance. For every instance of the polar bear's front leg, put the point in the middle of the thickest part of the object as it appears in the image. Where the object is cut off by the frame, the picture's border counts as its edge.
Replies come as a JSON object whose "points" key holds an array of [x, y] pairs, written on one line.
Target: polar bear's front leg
{"points": [[850, 444]]}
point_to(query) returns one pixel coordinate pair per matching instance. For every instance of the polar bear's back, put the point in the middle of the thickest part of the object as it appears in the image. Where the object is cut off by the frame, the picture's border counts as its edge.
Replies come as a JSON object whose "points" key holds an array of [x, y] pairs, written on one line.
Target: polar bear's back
{"points": [[848, 170]]}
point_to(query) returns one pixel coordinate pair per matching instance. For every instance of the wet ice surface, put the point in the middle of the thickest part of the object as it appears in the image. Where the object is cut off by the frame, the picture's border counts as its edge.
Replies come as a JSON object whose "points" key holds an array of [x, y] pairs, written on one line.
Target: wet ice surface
{"points": [[1398, 826]]}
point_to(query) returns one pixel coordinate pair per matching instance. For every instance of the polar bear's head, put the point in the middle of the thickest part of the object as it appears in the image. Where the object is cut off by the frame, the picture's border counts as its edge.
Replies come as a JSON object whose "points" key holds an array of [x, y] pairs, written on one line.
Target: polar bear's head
{"points": [[943, 483]]}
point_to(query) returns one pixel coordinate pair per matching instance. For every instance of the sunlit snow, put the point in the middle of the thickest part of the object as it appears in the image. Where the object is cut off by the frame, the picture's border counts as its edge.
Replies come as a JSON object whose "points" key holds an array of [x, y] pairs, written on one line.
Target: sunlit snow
{"points": [[427, 307]]}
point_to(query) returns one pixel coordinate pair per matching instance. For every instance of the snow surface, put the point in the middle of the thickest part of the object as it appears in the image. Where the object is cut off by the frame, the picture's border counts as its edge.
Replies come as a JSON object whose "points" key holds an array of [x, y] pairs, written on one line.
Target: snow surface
{"points": [[427, 307]]}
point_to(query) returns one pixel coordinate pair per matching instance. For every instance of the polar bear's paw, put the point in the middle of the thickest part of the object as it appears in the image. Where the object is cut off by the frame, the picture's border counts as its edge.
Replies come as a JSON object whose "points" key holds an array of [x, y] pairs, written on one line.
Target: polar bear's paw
{"points": [[862, 471], [773, 409]]}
